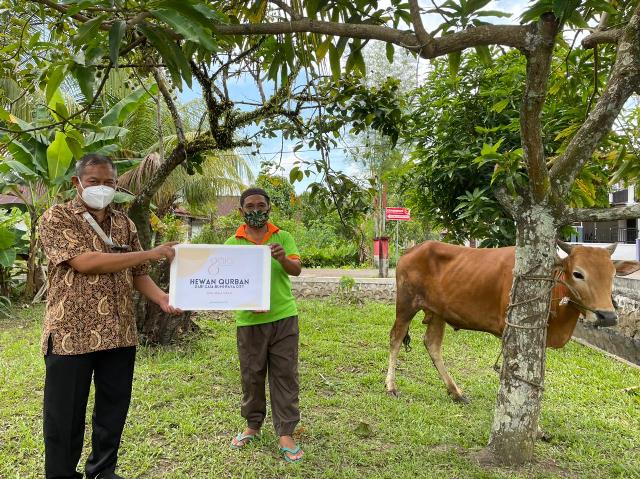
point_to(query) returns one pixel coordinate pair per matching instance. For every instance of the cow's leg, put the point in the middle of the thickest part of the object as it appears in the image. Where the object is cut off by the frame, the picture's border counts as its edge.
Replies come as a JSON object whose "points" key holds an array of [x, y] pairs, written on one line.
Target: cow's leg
{"points": [[433, 341], [404, 315]]}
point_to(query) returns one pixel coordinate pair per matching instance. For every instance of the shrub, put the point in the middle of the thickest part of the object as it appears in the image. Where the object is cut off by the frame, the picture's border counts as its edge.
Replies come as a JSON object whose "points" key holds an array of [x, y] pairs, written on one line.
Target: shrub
{"points": [[218, 230], [329, 256]]}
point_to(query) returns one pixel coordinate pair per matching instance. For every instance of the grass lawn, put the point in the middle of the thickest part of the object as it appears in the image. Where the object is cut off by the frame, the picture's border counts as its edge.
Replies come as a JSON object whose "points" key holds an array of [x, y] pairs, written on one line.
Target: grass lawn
{"points": [[185, 406]]}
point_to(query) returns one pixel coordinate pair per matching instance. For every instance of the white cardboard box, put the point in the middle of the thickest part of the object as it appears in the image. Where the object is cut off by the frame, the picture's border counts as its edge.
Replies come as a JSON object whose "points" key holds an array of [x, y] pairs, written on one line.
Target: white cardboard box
{"points": [[220, 277]]}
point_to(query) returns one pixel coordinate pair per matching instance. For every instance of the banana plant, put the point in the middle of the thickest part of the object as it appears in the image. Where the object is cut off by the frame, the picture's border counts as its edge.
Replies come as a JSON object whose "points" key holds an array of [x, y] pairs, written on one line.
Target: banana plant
{"points": [[36, 163], [12, 243]]}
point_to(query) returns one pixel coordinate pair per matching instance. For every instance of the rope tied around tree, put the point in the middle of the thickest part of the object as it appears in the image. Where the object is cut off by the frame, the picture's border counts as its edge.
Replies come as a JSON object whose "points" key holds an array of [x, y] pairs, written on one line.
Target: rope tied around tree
{"points": [[509, 325]]}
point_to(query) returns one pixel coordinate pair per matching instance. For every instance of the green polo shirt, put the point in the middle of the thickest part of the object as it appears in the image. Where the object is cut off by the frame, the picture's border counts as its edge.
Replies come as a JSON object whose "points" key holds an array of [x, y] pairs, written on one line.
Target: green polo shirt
{"points": [[283, 304]]}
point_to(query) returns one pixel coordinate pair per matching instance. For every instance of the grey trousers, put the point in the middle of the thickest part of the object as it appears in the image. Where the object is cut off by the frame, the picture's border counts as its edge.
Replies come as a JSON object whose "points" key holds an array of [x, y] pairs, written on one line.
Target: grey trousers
{"points": [[272, 349]]}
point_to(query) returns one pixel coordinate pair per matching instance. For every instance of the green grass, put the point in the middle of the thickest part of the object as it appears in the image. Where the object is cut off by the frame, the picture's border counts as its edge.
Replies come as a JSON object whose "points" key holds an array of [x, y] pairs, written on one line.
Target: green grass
{"points": [[186, 398]]}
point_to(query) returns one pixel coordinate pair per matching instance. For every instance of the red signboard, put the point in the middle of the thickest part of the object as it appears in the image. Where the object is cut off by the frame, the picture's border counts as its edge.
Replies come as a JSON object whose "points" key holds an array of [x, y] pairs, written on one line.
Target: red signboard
{"points": [[398, 214]]}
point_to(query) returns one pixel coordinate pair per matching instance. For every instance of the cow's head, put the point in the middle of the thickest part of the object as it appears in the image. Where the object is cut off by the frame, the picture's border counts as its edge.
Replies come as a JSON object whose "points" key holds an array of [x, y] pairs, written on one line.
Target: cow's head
{"points": [[589, 272]]}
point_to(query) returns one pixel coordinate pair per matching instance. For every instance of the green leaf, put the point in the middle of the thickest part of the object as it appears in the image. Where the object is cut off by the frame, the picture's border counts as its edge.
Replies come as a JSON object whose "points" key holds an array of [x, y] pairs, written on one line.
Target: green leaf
{"points": [[454, 63], [57, 105], [313, 6], [355, 61], [471, 6], [493, 13], [54, 80], [334, 61], [116, 34], [107, 150], [484, 54], [272, 74], [198, 13], [323, 48], [121, 110], [122, 197], [79, 5], [187, 28], [20, 169], [107, 133], [7, 257], [86, 77], [177, 63], [501, 105], [7, 237], [59, 157], [75, 146], [88, 30], [293, 174], [20, 152], [535, 12], [389, 50]]}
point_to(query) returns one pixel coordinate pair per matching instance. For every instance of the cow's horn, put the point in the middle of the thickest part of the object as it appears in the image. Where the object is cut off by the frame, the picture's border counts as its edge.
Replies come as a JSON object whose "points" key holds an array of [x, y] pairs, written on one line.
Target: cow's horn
{"points": [[566, 247], [611, 248]]}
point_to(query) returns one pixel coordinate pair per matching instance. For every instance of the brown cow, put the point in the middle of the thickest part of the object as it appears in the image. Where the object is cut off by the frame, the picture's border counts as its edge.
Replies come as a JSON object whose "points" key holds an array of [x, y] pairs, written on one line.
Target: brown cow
{"points": [[469, 288]]}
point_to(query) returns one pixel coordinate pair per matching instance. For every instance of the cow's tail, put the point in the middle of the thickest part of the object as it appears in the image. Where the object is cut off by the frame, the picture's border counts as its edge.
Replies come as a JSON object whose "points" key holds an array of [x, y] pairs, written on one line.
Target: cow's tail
{"points": [[407, 342]]}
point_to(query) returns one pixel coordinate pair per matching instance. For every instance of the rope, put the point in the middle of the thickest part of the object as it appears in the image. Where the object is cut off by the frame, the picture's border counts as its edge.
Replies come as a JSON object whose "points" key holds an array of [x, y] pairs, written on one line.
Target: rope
{"points": [[556, 278]]}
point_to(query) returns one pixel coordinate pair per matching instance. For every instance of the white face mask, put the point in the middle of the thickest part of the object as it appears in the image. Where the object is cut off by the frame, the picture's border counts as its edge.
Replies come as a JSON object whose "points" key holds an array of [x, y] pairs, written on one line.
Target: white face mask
{"points": [[97, 197]]}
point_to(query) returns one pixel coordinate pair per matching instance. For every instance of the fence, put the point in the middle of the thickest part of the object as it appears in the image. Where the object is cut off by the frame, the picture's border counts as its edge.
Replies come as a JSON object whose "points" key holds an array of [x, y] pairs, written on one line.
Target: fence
{"points": [[607, 235]]}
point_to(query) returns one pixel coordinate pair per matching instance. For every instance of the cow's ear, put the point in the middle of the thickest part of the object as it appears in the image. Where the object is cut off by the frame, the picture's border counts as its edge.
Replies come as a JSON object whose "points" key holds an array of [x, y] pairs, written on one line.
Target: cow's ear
{"points": [[624, 268], [566, 247], [559, 261]]}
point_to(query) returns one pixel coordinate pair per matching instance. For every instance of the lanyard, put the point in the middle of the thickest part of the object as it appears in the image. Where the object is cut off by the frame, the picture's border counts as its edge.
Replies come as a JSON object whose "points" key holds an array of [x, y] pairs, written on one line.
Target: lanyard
{"points": [[103, 236]]}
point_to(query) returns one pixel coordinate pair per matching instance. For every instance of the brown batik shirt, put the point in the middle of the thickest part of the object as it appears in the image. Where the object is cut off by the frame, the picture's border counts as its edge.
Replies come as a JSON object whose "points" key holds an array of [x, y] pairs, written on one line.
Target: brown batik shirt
{"points": [[87, 312]]}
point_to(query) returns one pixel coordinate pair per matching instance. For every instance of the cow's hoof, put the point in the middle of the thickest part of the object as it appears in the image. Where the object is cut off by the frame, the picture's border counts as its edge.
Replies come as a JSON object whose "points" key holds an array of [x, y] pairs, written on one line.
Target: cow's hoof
{"points": [[393, 393], [462, 399]]}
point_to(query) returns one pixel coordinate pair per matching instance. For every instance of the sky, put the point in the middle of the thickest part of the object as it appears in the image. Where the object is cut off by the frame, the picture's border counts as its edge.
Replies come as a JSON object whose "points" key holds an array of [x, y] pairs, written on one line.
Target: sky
{"points": [[281, 151]]}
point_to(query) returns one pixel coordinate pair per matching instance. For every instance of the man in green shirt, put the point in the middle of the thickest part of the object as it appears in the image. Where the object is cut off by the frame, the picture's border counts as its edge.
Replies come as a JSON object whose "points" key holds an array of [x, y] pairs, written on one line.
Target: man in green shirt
{"points": [[268, 340]]}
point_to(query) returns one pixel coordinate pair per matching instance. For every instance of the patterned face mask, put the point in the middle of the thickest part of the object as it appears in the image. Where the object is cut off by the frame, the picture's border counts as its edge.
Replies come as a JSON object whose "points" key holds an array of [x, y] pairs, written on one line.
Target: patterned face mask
{"points": [[256, 219]]}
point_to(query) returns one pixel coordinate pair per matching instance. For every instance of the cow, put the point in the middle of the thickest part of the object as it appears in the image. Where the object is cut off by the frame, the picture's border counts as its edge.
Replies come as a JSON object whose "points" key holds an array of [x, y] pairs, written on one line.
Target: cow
{"points": [[469, 288]]}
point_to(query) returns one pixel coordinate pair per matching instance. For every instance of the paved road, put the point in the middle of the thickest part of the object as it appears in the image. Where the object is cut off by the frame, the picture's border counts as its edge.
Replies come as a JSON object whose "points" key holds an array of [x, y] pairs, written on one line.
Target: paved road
{"points": [[338, 272], [371, 273]]}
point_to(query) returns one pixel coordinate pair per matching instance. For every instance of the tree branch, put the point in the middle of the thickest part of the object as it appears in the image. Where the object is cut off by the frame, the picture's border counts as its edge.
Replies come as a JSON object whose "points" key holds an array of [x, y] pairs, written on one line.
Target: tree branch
{"points": [[603, 214], [538, 67], [508, 35], [168, 99], [507, 201], [237, 59], [423, 37], [624, 80], [273, 105], [287, 9], [63, 9], [515, 36], [601, 36]]}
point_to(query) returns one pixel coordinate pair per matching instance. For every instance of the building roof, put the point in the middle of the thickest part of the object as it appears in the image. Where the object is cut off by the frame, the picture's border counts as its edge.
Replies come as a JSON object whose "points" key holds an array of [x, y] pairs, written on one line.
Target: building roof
{"points": [[227, 205], [10, 200]]}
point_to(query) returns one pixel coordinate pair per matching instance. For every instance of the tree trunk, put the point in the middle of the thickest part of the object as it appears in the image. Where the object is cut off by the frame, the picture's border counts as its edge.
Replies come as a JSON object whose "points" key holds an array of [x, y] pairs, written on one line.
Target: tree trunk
{"points": [[154, 325], [30, 287], [517, 410]]}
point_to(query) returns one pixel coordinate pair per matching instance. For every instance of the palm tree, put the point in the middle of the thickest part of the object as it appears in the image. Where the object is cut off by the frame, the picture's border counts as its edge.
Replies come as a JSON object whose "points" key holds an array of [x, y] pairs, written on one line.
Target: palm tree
{"points": [[222, 173]]}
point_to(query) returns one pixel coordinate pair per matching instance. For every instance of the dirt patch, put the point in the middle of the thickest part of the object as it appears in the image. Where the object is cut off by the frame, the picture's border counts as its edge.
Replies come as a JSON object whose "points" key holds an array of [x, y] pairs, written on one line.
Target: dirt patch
{"points": [[485, 459]]}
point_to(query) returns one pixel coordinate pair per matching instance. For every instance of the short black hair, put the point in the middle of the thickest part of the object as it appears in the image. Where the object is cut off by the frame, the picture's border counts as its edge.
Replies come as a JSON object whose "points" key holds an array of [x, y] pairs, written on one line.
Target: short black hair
{"points": [[91, 159], [253, 191]]}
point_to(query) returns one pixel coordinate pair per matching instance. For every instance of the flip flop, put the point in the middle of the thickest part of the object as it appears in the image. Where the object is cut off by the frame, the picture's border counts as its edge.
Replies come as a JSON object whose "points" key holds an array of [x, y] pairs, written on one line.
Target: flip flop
{"points": [[285, 450], [243, 439]]}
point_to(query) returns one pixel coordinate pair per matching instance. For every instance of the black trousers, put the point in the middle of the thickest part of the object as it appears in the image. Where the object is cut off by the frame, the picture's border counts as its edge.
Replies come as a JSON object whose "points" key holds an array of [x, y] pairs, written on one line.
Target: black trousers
{"points": [[66, 392]]}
